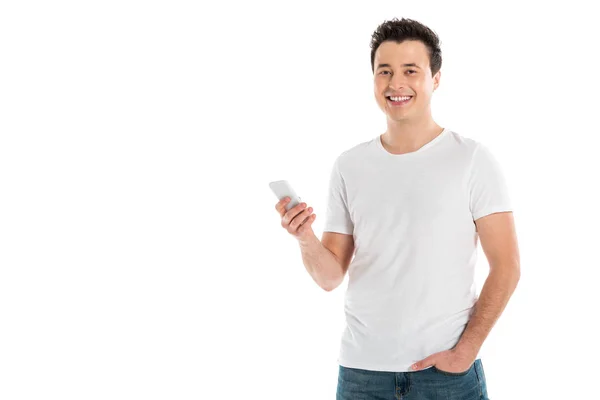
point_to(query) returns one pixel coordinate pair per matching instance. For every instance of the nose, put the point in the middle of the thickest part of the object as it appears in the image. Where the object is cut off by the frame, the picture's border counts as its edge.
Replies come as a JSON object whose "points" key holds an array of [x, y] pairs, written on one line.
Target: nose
{"points": [[397, 82]]}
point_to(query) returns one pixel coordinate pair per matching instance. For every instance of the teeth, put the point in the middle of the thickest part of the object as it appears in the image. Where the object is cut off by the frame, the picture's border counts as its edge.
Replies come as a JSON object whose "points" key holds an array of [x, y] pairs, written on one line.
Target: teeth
{"points": [[400, 98]]}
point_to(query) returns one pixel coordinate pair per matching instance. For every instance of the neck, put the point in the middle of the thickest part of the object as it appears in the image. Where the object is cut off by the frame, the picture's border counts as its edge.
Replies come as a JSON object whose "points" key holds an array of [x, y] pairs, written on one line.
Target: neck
{"points": [[408, 136]]}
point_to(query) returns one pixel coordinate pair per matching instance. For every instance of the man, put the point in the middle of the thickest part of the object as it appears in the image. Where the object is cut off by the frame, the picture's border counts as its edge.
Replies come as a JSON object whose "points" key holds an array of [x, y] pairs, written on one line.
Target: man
{"points": [[410, 205]]}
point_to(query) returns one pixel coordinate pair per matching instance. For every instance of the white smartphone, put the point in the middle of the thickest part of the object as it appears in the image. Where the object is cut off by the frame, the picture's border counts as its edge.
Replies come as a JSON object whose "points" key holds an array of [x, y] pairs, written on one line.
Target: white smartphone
{"points": [[284, 189]]}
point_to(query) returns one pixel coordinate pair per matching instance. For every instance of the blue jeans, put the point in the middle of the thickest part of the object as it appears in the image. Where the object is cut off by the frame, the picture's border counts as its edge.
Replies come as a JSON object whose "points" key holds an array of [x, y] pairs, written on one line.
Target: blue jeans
{"points": [[427, 384]]}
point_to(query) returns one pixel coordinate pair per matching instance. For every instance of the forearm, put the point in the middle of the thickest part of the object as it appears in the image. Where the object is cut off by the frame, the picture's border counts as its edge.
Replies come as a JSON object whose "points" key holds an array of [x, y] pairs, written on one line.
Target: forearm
{"points": [[320, 263], [497, 290]]}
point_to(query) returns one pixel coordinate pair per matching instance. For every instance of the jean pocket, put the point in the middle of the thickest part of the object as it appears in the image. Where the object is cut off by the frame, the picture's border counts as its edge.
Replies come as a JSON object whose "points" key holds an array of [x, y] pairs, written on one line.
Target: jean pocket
{"points": [[439, 371]]}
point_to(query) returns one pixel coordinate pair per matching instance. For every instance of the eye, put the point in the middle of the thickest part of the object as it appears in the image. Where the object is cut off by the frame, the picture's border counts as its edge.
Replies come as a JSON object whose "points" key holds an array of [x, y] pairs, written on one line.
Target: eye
{"points": [[383, 72], [412, 70]]}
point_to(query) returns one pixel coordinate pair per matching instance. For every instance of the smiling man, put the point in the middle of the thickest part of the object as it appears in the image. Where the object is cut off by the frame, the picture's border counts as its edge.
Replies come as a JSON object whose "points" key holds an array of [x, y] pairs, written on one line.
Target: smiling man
{"points": [[405, 212]]}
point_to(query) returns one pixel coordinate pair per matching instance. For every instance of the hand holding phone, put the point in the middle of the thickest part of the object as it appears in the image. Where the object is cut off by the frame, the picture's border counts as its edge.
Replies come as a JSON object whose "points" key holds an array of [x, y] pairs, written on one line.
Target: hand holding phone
{"points": [[283, 189], [296, 218]]}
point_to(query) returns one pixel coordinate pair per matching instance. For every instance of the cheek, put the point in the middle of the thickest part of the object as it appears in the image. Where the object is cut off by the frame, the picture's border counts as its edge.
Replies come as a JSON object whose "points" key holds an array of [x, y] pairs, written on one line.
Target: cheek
{"points": [[425, 86], [381, 83], [377, 87], [378, 92]]}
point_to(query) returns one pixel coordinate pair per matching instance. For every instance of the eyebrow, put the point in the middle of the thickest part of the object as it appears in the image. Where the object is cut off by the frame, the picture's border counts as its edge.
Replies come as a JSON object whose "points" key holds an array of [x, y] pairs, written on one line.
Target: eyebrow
{"points": [[404, 65]]}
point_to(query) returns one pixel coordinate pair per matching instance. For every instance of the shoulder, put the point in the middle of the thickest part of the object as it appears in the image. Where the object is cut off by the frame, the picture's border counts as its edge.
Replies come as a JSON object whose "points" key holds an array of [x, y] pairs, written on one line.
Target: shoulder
{"points": [[468, 144], [351, 155], [473, 150]]}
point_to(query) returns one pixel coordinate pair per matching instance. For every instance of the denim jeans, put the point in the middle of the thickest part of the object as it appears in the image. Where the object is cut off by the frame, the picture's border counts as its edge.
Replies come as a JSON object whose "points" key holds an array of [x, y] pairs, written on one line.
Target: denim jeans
{"points": [[427, 384]]}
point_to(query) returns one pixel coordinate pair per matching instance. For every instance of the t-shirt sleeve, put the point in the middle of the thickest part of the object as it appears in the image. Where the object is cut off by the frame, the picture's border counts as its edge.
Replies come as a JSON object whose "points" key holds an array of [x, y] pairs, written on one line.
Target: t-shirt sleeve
{"points": [[337, 215], [488, 191]]}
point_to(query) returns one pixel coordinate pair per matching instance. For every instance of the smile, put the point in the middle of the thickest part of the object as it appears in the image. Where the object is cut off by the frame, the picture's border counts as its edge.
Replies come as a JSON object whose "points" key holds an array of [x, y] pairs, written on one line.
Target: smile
{"points": [[399, 101]]}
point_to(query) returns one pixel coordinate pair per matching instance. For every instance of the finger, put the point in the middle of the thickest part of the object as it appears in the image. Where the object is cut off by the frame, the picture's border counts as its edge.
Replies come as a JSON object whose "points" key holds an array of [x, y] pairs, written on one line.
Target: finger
{"points": [[292, 212], [308, 222], [300, 218], [426, 362], [280, 206], [283, 211]]}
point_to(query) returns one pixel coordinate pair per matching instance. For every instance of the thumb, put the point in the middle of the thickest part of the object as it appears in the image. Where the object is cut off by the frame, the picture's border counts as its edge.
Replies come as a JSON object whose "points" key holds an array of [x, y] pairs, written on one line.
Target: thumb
{"points": [[424, 363]]}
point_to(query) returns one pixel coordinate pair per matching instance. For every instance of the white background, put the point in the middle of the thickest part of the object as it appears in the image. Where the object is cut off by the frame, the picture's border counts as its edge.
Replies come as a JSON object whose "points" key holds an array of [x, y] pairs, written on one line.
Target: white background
{"points": [[141, 256]]}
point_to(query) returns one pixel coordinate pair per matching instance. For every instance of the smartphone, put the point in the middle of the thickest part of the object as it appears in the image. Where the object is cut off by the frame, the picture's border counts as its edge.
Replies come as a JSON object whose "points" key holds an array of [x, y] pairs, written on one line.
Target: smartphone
{"points": [[284, 189]]}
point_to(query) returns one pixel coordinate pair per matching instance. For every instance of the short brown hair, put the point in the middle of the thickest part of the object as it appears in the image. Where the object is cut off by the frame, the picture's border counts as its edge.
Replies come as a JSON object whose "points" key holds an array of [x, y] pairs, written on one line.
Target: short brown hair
{"points": [[407, 29]]}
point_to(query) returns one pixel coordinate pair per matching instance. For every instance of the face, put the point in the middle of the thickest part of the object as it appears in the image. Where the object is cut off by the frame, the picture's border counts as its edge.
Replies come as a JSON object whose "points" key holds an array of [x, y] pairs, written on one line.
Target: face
{"points": [[403, 70]]}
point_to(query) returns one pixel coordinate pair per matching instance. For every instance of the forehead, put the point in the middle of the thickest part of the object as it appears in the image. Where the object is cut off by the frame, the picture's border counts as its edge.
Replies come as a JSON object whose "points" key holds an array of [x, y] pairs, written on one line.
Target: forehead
{"points": [[408, 51]]}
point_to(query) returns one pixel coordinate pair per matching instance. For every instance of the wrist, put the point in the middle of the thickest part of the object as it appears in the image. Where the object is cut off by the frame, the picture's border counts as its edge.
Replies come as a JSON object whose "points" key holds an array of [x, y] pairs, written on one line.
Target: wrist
{"points": [[308, 240], [466, 349]]}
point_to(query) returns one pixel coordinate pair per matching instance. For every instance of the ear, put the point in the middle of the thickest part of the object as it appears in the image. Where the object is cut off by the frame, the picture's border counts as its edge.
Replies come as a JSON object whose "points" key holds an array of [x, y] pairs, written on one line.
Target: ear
{"points": [[436, 79]]}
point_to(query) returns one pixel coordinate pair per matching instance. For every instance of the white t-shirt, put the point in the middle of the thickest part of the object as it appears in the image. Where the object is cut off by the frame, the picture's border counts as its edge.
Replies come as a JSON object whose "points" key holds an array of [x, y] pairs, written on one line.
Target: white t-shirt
{"points": [[411, 288]]}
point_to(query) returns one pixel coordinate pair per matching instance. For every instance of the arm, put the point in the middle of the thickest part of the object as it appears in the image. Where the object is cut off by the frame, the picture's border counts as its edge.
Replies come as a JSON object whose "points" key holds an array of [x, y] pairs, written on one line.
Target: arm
{"points": [[327, 260], [499, 243]]}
